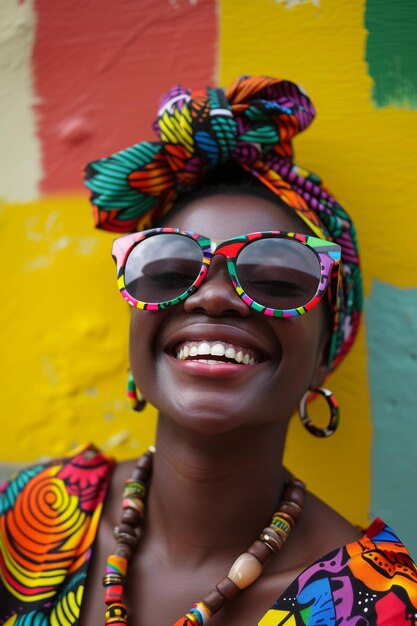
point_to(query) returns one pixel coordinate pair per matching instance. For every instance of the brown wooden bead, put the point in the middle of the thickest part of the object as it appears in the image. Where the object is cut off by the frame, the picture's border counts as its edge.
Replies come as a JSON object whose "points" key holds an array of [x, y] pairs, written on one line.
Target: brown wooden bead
{"points": [[126, 538], [260, 550], [124, 550], [214, 600], [294, 493], [145, 462], [299, 483], [140, 474], [228, 589], [118, 531], [131, 516], [291, 508], [129, 529]]}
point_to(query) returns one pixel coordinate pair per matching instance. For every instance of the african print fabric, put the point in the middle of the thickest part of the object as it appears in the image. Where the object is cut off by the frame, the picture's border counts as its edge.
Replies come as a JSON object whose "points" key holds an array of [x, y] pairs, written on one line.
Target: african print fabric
{"points": [[370, 582], [49, 515]]}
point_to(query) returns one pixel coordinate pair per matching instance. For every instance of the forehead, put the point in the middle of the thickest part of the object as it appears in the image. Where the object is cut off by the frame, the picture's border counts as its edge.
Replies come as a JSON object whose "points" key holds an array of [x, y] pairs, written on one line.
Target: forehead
{"points": [[221, 216]]}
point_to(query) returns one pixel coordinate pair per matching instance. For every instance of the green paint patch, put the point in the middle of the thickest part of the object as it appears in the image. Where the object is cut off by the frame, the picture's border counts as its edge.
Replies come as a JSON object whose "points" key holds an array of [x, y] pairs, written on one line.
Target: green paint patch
{"points": [[391, 327], [391, 51]]}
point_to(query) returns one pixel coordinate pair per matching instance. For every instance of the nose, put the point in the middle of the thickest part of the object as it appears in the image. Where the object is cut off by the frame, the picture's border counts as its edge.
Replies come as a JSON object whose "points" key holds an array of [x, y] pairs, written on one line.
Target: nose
{"points": [[216, 296]]}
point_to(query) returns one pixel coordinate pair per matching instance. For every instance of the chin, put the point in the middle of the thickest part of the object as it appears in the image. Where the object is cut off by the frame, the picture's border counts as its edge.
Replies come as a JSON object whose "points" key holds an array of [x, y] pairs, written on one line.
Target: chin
{"points": [[203, 414]]}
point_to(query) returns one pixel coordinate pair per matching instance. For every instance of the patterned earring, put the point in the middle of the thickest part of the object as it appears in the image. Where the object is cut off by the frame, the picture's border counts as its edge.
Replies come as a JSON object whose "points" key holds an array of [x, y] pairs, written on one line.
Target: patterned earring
{"points": [[334, 413], [136, 399]]}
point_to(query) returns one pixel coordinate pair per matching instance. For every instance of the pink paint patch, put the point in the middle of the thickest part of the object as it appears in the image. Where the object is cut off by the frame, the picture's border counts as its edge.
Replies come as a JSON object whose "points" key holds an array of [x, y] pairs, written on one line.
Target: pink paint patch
{"points": [[100, 71], [152, 307], [390, 610]]}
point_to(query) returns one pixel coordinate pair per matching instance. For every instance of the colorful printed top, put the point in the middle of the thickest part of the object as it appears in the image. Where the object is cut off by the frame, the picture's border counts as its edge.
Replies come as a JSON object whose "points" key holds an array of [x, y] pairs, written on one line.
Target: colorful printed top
{"points": [[49, 514]]}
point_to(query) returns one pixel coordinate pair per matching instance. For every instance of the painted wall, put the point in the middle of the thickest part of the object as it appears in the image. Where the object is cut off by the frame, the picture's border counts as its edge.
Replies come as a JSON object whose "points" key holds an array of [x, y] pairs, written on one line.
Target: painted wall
{"points": [[80, 80]]}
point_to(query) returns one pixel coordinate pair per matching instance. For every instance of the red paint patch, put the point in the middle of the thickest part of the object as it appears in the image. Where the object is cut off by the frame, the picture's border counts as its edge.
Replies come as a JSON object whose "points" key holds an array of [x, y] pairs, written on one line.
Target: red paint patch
{"points": [[100, 71]]}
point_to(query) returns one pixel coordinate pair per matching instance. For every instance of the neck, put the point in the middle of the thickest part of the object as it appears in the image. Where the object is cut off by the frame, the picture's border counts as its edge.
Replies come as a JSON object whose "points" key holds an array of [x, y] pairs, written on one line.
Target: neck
{"points": [[211, 496]]}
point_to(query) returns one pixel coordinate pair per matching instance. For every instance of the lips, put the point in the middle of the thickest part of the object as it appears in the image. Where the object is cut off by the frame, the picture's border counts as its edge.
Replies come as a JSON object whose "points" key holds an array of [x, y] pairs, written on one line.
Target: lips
{"points": [[215, 351]]}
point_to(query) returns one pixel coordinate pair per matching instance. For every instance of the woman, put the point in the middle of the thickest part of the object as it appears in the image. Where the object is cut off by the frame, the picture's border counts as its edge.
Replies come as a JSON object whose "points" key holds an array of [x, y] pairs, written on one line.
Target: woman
{"points": [[229, 334]]}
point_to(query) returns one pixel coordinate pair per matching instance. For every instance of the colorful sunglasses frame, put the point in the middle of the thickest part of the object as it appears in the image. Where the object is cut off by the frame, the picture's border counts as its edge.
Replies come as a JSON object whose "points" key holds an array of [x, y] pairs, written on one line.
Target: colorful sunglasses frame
{"points": [[328, 253]]}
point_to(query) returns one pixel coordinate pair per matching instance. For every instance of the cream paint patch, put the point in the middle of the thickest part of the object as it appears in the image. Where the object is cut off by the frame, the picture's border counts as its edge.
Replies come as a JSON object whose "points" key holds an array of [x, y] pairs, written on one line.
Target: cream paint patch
{"points": [[20, 152]]}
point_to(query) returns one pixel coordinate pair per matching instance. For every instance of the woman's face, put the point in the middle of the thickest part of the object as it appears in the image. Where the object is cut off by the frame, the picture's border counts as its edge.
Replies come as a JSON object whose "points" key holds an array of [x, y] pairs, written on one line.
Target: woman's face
{"points": [[289, 353]]}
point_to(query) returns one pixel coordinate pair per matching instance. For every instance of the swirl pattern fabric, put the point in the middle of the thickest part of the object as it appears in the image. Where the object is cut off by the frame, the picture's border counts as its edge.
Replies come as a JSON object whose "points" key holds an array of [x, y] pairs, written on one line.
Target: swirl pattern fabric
{"points": [[49, 517], [251, 123]]}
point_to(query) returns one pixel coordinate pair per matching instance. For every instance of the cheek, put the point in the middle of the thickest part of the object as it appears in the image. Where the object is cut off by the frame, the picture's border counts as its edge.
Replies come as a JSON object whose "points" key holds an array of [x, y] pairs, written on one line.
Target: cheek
{"points": [[304, 341], [145, 328], [140, 345]]}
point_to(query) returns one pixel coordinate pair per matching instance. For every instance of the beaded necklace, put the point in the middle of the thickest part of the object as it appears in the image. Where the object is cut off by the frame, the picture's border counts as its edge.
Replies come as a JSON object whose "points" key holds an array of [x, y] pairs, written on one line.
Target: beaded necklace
{"points": [[244, 571]]}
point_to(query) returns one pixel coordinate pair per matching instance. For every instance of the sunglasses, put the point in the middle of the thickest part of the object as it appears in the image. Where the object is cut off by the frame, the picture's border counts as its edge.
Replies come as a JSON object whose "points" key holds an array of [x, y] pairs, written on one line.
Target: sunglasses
{"points": [[276, 273]]}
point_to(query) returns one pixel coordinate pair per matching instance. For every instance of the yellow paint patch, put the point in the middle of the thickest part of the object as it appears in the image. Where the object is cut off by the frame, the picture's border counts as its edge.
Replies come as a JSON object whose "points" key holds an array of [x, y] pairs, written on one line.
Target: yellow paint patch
{"points": [[64, 328]]}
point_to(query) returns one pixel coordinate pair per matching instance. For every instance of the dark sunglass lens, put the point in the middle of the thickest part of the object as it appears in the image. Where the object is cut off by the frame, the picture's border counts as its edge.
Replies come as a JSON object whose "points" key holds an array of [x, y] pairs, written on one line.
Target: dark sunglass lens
{"points": [[279, 273], [162, 267]]}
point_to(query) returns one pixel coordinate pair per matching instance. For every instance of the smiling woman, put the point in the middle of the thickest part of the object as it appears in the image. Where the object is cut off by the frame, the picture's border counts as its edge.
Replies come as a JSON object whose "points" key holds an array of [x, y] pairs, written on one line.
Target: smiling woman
{"points": [[245, 292], [215, 312]]}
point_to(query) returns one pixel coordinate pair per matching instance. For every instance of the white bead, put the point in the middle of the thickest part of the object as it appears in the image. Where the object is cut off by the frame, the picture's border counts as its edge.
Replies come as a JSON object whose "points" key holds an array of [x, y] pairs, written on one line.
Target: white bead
{"points": [[245, 570]]}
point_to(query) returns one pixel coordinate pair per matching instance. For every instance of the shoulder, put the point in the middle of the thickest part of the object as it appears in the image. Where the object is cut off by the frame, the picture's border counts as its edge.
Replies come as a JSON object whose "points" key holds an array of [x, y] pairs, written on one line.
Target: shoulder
{"points": [[49, 514], [370, 581]]}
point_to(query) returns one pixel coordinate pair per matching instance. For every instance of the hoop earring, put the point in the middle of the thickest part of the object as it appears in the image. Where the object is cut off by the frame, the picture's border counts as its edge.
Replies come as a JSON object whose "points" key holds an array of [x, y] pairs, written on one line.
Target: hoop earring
{"points": [[136, 399], [334, 413]]}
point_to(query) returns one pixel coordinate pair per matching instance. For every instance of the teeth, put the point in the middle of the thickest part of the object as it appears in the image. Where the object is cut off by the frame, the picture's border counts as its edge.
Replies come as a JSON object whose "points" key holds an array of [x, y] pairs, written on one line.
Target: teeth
{"points": [[215, 348], [204, 348], [230, 353]]}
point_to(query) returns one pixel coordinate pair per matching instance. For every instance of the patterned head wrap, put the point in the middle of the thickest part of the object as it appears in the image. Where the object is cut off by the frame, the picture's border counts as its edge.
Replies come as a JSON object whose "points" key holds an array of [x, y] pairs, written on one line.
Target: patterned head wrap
{"points": [[251, 123]]}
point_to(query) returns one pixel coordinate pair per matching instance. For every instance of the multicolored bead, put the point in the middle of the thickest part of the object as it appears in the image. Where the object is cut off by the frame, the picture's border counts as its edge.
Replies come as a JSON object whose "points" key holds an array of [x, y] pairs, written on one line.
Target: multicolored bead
{"points": [[198, 615], [116, 565], [116, 614], [280, 524]]}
